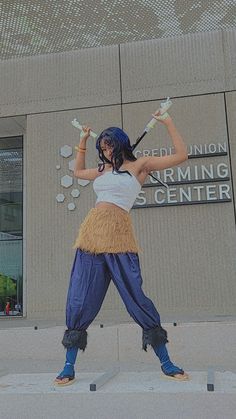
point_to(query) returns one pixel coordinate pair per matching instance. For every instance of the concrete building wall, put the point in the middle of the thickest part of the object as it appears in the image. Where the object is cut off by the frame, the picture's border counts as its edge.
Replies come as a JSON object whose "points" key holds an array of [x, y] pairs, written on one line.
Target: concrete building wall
{"points": [[188, 259], [51, 82]]}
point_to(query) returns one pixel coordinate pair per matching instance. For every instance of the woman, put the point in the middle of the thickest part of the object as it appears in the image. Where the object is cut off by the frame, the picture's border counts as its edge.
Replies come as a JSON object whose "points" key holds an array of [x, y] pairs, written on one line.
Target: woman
{"points": [[107, 249]]}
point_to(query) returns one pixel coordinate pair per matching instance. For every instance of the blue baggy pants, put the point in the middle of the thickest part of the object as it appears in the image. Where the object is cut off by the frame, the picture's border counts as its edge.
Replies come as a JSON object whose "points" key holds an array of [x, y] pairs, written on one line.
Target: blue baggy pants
{"points": [[90, 278]]}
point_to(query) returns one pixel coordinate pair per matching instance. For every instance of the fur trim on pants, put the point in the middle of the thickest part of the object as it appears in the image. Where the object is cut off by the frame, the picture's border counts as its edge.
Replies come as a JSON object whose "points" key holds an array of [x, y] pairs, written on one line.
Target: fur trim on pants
{"points": [[154, 337], [75, 339]]}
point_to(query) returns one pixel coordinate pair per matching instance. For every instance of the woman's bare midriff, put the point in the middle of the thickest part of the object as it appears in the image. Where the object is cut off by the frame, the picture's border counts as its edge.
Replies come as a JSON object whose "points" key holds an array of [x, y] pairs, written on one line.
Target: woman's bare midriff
{"points": [[108, 205]]}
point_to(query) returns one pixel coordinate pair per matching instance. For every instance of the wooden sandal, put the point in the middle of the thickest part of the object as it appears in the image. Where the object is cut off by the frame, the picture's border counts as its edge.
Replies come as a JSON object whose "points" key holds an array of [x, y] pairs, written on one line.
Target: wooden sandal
{"points": [[177, 375], [60, 383]]}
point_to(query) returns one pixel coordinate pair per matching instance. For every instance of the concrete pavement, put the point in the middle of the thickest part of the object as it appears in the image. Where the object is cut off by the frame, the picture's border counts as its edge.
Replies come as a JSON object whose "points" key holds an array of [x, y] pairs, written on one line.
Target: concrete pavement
{"points": [[31, 358]]}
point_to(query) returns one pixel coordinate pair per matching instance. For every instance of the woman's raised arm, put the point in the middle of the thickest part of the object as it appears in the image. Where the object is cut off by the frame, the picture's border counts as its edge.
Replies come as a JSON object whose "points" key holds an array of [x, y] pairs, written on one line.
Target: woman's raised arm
{"points": [[159, 163], [80, 170]]}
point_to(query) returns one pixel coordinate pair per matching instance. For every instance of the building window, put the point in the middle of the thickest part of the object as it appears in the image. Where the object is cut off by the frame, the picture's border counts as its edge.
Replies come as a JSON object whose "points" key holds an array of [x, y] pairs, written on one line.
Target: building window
{"points": [[11, 226]]}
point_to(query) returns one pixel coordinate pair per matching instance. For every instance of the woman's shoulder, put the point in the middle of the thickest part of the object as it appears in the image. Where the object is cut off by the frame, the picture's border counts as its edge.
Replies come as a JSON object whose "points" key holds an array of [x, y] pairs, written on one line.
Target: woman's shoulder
{"points": [[136, 166]]}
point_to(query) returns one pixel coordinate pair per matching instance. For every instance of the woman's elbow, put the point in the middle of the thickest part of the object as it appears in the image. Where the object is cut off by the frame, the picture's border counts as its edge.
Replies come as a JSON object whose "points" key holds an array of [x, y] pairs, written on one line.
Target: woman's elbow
{"points": [[181, 158], [76, 173], [184, 156]]}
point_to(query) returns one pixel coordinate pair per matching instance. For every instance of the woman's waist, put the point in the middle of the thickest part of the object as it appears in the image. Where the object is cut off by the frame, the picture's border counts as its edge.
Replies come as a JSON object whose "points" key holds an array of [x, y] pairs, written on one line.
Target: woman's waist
{"points": [[110, 205], [107, 215]]}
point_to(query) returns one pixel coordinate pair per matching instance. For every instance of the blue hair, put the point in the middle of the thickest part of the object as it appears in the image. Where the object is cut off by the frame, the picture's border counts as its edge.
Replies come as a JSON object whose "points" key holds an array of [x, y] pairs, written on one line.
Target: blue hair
{"points": [[119, 141]]}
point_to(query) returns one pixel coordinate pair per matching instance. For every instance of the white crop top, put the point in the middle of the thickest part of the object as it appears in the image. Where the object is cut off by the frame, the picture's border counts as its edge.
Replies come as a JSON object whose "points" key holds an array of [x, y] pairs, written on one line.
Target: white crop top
{"points": [[120, 189]]}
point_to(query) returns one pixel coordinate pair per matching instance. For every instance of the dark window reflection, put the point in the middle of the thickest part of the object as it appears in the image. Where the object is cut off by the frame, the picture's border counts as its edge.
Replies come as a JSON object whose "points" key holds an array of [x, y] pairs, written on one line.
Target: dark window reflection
{"points": [[11, 226]]}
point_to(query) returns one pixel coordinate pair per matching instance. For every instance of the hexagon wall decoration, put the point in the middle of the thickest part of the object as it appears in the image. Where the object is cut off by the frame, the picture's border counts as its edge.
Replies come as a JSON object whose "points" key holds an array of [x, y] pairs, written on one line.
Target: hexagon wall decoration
{"points": [[72, 165], [75, 193], [60, 197], [66, 151], [66, 181], [71, 206], [83, 182]]}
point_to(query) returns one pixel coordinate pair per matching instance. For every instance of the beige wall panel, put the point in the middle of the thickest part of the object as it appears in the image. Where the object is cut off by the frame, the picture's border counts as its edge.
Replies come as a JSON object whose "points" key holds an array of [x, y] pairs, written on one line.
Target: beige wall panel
{"points": [[189, 251], [12, 126], [229, 39], [176, 66], [68, 80], [231, 112], [51, 228]]}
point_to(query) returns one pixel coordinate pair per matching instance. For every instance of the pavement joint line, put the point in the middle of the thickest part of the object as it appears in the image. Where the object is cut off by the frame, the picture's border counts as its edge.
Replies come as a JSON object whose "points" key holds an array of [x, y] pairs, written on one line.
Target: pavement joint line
{"points": [[210, 379], [103, 379]]}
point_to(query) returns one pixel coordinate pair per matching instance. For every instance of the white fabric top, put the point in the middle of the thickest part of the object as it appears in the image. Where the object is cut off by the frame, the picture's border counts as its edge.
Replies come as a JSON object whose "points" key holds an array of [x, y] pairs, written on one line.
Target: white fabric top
{"points": [[120, 189]]}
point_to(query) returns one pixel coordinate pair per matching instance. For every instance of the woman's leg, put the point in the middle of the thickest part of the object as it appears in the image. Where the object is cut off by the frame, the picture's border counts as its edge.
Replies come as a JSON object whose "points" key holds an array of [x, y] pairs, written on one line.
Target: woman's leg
{"points": [[67, 375], [89, 282], [167, 366], [126, 274]]}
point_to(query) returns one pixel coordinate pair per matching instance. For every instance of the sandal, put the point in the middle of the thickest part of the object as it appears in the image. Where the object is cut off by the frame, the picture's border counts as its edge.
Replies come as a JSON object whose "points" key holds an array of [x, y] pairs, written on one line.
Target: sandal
{"points": [[59, 380], [177, 374], [67, 373]]}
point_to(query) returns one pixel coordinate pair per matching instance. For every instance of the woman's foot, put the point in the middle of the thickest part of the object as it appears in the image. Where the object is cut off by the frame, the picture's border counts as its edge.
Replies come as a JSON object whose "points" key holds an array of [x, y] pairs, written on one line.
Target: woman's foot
{"points": [[173, 372], [66, 376]]}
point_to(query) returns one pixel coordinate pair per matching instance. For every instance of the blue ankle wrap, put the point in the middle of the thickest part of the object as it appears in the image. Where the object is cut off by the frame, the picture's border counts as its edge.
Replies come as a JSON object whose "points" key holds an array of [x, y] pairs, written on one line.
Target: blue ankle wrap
{"points": [[166, 365], [71, 355], [68, 369]]}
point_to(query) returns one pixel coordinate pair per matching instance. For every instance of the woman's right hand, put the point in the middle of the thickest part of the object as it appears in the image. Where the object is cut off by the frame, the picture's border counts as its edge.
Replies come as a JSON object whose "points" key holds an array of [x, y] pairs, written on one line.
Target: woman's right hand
{"points": [[164, 119], [85, 133]]}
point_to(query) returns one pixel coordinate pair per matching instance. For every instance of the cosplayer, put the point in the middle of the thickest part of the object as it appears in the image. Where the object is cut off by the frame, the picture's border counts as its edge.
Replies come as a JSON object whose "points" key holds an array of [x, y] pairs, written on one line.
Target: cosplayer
{"points": [[106, 247]]}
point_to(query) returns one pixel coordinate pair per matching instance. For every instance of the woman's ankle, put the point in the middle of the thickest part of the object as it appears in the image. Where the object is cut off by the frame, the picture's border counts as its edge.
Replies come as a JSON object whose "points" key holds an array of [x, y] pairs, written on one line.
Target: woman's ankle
{"points": [[68, 370], [169, 368]]}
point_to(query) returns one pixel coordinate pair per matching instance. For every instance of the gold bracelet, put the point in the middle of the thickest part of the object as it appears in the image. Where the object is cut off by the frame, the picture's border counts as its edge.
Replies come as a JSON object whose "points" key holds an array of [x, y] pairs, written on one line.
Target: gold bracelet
{"points": [[80, 149]]}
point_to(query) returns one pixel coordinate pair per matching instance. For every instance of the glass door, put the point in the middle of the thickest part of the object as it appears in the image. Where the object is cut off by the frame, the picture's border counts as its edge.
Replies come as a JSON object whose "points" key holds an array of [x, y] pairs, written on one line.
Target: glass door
{"points": [[11, 226]]}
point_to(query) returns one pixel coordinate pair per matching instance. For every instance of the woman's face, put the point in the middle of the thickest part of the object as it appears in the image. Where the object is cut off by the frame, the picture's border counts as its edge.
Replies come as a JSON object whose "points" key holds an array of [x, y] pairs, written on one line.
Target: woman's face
{"points": [[106, 149]]}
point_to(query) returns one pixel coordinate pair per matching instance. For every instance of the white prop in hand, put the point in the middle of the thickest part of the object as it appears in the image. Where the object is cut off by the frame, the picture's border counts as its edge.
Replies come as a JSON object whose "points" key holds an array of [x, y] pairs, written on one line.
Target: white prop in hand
{"points": [[76, 124], [164, 106]]}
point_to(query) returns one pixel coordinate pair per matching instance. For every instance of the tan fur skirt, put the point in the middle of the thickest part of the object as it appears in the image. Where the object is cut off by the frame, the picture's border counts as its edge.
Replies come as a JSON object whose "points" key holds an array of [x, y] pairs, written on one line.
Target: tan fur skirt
{"points": [[107, 230]]}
